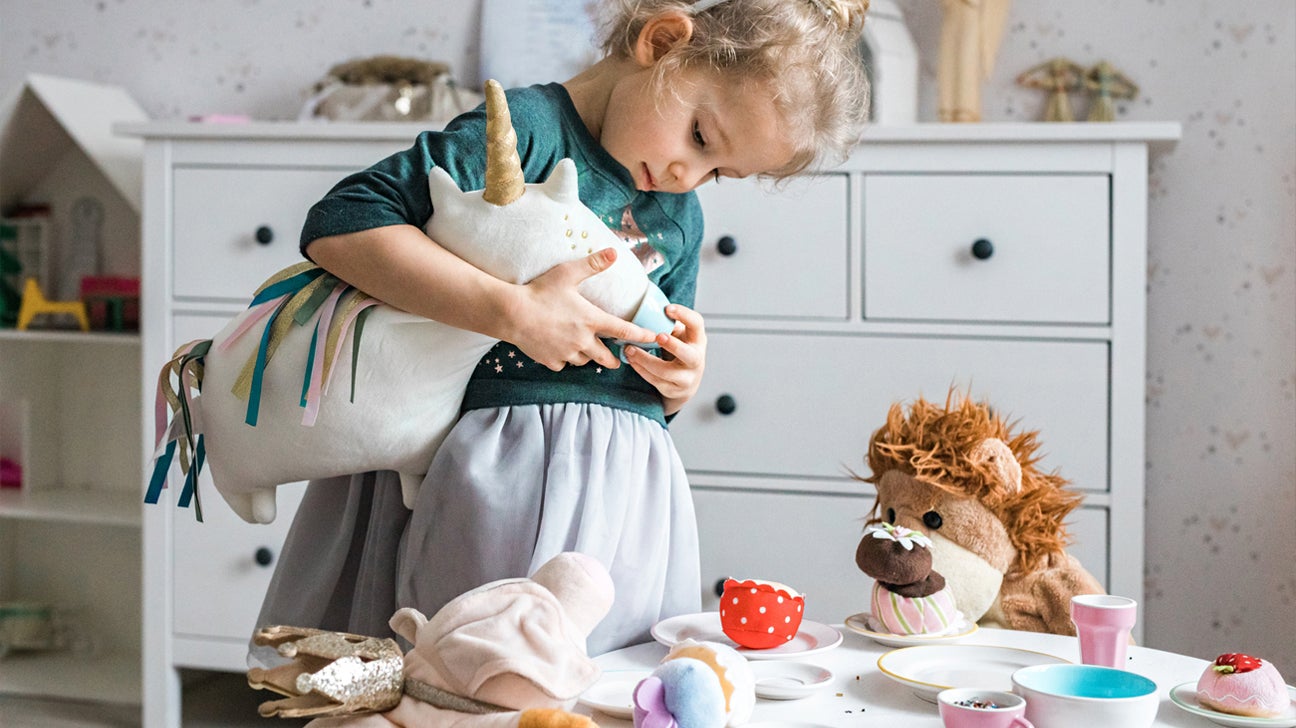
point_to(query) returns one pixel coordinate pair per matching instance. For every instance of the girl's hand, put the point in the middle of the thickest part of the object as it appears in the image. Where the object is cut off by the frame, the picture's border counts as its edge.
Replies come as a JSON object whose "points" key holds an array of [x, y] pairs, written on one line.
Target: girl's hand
{"points": [[679, 377], [552, 323]]}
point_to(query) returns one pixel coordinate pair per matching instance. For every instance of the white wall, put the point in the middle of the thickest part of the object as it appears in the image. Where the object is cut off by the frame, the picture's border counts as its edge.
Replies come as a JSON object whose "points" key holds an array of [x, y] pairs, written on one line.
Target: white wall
{"points": [[1221, 568]]}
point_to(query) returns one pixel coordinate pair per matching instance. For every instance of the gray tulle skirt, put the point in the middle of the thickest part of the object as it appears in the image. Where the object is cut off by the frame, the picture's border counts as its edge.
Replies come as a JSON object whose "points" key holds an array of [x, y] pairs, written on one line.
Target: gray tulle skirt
{"points": [[509, 489]]}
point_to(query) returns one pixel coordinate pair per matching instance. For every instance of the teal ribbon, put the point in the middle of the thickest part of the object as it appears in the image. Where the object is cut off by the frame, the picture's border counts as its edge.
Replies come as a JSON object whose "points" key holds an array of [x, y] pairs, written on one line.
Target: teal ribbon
{"points": [[258, 369], [158, 480], [286, 286], [310, 367], [190, 490]]}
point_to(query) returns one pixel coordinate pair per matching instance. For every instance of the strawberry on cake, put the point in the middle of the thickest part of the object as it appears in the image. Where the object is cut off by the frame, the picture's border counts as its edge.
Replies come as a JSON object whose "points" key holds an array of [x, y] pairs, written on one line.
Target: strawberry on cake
{"points": [[1243, 685]]}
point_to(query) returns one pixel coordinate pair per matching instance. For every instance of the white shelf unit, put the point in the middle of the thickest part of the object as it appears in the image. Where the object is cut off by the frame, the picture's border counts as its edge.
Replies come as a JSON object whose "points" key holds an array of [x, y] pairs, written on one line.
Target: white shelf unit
{"points": [[792, 300], [70, 536]]}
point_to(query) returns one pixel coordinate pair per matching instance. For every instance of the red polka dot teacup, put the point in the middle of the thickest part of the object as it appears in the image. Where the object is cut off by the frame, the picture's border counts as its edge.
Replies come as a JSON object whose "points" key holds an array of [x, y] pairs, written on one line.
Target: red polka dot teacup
{"points": [[760, 614]]}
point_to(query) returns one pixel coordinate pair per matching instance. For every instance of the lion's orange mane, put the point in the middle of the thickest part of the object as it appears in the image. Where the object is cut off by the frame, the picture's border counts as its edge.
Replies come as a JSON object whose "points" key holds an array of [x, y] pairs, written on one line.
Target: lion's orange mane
{"points": [[932, 444]]}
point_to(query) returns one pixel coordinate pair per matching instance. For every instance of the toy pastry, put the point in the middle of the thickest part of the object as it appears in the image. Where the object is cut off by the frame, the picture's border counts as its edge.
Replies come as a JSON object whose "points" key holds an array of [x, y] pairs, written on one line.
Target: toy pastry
{"points": [[697, 685], [760, 614], [909, 597], [1243, 685]]}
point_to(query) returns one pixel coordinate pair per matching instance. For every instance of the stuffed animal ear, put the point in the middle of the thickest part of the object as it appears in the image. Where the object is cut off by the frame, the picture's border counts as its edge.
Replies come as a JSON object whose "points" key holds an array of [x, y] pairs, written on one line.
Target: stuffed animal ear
{"points": [[561, 184], [995, 455], [406, 622], [441, 187]]}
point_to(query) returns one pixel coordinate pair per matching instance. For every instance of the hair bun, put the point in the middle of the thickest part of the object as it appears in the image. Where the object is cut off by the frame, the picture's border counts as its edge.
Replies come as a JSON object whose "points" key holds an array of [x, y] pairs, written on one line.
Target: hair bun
{"points": [[847, 14]]}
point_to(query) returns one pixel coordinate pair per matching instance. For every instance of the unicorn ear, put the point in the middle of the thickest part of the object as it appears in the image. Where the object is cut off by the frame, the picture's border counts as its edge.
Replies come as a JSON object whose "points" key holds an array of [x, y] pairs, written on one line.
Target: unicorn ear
{"points": [[562, 184], [999, 459], [441, 187]]}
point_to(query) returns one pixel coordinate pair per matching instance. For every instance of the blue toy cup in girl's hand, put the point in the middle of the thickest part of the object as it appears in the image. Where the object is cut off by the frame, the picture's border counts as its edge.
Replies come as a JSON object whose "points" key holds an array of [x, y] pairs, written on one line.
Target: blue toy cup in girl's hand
{"points": [[652, 316]]}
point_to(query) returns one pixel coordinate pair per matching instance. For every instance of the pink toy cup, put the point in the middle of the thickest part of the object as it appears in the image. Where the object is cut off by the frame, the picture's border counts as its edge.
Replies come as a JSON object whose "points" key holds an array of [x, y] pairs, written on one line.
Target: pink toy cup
{"points": [[1103, 624], [977, 708]]}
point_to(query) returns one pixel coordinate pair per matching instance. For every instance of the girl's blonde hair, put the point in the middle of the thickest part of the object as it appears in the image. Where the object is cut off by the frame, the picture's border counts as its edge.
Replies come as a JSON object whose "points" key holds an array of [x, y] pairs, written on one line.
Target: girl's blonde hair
{"points": [[805, 50]]}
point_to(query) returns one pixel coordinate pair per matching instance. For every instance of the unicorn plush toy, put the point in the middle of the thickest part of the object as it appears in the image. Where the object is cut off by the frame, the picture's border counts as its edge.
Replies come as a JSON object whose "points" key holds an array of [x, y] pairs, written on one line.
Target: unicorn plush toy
{"points": [[271, 409]]}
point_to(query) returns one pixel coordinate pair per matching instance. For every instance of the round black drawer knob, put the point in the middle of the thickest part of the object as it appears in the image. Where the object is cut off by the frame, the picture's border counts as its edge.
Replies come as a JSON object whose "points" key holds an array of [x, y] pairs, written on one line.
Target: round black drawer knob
{"points": [[726, 404], [719, 587], [982, 249], [264, 235], [263, 556], [727, 245]]}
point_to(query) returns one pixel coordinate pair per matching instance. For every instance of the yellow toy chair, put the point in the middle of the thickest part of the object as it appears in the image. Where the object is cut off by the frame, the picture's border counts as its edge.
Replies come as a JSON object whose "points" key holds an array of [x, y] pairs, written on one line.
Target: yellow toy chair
{"points": [[34, 303]]}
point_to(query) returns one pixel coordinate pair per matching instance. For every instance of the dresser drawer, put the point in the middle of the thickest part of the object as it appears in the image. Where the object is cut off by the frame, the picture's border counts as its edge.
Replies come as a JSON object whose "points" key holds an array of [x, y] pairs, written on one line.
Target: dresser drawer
{"points": [[806, 541], [219, 213], [1046, 258], [222, 566], [789, 256], [805, 405]]}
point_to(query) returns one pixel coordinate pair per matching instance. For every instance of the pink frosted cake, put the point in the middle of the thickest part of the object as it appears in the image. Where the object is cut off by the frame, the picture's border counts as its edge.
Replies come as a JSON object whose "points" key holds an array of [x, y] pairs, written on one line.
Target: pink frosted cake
{"points": [[1243, 685], [930, 615], [909, 598]]}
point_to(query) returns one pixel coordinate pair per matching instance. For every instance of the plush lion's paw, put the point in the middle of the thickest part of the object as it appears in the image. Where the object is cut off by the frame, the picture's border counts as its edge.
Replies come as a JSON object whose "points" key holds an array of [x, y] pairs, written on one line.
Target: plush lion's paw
{"points": [[553, 718]]}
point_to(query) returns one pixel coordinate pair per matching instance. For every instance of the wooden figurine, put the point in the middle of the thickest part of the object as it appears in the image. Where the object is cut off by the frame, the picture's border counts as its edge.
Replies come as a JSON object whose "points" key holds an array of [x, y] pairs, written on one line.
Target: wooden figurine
{"points": [[1105, 82], [971, 31], [1059, 77]]}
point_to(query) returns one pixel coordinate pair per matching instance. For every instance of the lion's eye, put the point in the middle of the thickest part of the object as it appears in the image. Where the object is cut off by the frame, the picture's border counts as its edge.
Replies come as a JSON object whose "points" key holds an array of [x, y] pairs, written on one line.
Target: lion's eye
{"points": [[932, 520], [891, 516]]}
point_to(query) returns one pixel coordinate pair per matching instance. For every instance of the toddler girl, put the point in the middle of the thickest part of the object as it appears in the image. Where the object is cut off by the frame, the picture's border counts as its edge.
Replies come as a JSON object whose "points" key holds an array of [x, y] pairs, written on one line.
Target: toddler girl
{"points": [[559, 446]]}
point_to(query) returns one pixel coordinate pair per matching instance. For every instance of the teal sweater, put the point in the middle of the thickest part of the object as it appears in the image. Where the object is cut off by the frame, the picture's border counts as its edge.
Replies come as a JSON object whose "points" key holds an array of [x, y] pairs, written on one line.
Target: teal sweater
{"points": [[664, 230]]}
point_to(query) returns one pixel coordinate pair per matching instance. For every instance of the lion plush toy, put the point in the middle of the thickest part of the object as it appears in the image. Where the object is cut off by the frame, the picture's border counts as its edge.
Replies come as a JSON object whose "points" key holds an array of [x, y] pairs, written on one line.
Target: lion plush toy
{"points": [[959, 475]]}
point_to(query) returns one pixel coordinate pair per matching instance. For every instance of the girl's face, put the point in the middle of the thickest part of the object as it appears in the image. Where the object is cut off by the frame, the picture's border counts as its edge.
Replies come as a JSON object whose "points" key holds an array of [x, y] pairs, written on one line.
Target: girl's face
{"points": [[698, 129]]}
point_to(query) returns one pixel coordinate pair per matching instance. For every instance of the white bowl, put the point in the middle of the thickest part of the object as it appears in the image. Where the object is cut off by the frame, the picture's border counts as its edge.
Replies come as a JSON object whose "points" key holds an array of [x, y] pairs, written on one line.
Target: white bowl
{"points": [[1086, 696]]}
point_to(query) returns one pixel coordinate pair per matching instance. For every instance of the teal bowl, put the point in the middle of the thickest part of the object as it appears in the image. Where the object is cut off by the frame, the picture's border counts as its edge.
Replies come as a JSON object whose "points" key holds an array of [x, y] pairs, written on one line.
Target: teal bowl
{"points": [[1085, 696]]}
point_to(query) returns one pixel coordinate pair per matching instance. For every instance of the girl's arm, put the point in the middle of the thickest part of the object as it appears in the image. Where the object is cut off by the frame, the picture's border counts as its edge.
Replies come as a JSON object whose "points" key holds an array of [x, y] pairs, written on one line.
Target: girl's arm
{"points": [[547, 318]]}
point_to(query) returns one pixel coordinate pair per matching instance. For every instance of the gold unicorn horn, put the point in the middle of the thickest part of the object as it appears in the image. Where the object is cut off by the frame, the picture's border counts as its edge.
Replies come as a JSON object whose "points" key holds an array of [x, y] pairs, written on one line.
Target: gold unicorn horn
{"points": [[504, 182]]}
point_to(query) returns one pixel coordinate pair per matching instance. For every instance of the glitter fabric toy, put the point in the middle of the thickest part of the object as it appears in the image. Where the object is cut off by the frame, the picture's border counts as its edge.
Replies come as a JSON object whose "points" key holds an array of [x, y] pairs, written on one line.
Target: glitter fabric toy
{"points": [[510, 654]]}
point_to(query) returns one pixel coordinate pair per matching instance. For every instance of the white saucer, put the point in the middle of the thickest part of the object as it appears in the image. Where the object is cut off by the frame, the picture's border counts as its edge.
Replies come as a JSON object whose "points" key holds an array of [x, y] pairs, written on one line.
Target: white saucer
{"points": [[787, 680], [929, 669], [613, 694], [1185, 696], [867, 626], [810, 639]]}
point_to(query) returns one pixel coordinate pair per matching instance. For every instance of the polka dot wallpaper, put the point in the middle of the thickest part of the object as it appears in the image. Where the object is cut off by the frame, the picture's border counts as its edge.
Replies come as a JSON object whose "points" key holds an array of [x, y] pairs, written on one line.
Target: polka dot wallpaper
{"points": [[1221, 380]]}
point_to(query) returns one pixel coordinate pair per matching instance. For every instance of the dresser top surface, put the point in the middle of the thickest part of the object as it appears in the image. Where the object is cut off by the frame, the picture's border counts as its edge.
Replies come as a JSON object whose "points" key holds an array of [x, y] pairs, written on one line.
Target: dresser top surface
{"points": [[1140, 131]]}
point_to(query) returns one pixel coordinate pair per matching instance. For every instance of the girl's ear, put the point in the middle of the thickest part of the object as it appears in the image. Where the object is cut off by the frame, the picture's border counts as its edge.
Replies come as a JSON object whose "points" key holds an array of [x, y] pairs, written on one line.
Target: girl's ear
{"points": [[660, 34]]}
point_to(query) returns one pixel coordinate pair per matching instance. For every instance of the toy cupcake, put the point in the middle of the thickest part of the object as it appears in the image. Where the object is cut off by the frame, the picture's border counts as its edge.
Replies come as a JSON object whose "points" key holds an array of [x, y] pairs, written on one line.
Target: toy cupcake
{"points": [[908, 598]]}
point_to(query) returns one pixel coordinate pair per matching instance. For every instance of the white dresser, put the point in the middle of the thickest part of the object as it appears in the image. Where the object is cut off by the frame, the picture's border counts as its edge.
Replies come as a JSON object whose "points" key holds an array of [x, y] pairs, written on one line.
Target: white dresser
{"points": [[824, 303]]}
